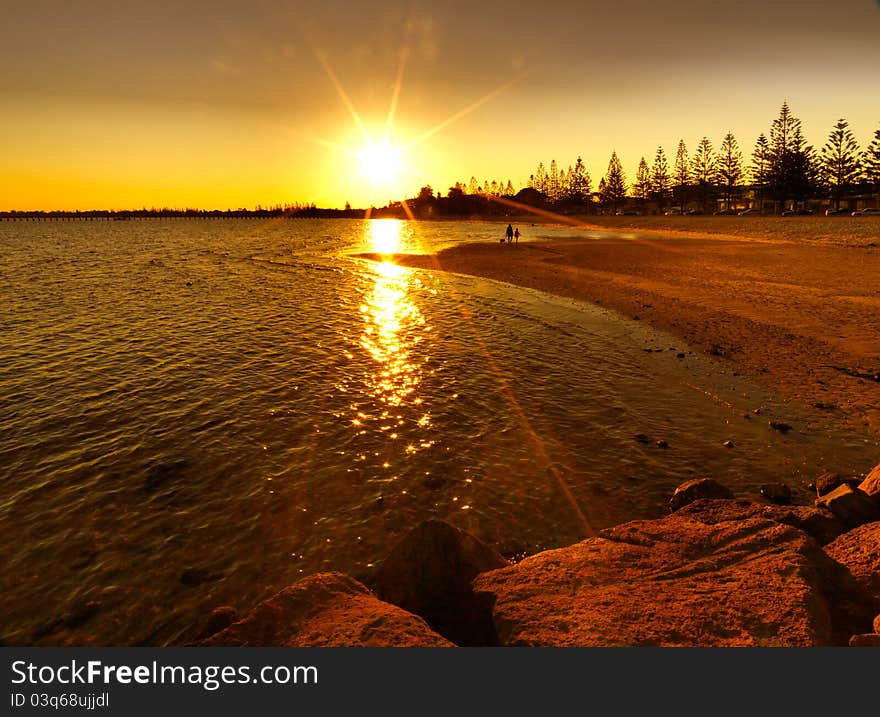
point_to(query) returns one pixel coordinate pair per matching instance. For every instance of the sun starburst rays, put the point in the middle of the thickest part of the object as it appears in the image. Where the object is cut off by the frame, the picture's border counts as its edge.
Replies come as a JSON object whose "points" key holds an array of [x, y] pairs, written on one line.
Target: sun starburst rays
{"points": [[382, 160]]}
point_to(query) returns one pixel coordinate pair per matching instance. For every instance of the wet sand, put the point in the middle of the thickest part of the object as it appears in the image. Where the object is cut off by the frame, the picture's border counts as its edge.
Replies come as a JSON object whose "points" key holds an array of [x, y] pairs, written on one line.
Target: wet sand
{"points": [[802, 316]]}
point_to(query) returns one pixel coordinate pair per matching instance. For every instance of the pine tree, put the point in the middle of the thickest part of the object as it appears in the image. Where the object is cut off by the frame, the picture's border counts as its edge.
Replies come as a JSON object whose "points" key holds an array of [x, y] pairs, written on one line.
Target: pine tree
{"points": [[840, 160], [682, 173], [472, 186], [541, 178], [761, 168], [791, 167], [660, 178], [703, 169], [643, 180], [579, 185], [509, 190], [553, 182], [615, 181], [730, 168], [871, 162]]}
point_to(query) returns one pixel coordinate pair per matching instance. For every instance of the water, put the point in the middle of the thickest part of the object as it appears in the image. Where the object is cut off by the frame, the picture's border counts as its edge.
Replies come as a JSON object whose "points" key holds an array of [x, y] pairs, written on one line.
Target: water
{"points": [[198, 413]]}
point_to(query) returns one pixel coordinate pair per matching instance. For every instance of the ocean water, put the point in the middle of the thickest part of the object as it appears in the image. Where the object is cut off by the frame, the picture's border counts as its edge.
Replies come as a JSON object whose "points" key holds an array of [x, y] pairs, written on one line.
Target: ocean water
{"points": [[198, 413]]}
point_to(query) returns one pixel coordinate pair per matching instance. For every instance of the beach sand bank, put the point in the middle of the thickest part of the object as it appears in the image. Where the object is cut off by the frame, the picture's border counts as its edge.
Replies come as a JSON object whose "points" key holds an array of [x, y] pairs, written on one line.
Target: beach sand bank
{"points": [[801, 316]]}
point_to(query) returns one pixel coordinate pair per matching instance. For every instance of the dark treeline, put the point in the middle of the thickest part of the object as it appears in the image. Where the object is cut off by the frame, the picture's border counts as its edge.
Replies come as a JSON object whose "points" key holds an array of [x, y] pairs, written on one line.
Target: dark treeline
{"points": [[290, 211], [783, 174]]}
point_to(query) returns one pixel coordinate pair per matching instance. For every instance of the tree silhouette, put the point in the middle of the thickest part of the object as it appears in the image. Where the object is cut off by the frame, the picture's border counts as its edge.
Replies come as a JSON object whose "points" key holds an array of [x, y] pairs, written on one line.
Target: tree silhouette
{"points": [[840, 160], [579, 184], [473, 185], [730, 168], [761, 168], [792, 172], [615, 181], [553, 182], [660, 178], [703, 169], [871, 162], [681, 173], [541, 178], [642, 187]]}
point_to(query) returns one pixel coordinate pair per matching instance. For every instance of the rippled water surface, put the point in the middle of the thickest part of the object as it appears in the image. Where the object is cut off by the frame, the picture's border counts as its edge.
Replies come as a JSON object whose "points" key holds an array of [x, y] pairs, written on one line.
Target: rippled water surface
{"points": [[197, 413]]}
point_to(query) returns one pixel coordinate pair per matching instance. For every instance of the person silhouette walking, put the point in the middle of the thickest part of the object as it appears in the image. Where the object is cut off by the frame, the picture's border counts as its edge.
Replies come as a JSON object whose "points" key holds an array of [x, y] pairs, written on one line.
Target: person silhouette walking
{"points": [[516, 235], [509, 233]]}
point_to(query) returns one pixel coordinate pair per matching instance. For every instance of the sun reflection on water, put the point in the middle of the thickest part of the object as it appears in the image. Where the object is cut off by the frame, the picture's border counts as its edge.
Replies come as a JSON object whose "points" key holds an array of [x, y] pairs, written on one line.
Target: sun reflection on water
{"points": [[390, 317]]}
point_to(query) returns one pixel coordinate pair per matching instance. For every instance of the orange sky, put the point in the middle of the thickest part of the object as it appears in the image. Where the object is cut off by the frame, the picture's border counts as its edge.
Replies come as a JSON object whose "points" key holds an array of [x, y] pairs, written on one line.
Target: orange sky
{"points": [[225, 104]]}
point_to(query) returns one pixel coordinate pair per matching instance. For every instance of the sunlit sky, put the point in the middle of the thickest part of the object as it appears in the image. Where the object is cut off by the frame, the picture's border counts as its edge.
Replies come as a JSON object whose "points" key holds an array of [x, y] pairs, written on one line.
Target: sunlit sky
{"points": [[232, 104]]}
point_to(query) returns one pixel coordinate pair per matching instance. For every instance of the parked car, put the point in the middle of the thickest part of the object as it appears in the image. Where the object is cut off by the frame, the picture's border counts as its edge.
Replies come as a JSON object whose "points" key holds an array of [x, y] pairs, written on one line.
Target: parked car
{"points": [[836, 212], [749, 212], [723, 213], [866, 212], [628, 213], [672, 211]]}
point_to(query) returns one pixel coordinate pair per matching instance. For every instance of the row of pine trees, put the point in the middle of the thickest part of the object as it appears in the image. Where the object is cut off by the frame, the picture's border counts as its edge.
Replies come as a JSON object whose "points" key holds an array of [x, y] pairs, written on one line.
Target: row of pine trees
{"points": [[783, 169]]}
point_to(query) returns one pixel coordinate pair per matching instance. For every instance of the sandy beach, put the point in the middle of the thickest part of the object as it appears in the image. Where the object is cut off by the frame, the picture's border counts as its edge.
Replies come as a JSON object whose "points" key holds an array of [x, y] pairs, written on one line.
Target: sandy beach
{"points": [[794, 304]]}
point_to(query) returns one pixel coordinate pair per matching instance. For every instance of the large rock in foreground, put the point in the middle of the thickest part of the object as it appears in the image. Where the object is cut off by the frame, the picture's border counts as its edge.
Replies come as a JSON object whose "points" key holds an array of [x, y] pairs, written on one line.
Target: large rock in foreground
{"points": [[851, 505], [819, 523], [859, 550], [429, 573], [328, 610], [871, 484], [679, 581]]}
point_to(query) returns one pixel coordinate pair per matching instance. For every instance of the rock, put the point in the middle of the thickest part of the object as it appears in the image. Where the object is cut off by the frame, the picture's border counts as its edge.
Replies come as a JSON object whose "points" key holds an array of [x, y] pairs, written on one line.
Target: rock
{"points": [[691, 490], [678, 581], [871, 484], [867, 640], [429, 573], [851, 505], [877, 624], [779, 426], [327, 610], [641, 438], [662, 444], [827, 482], [219, 619], [776, 493], [191, 577], [819, 523], [859, 550], [728, 443]]}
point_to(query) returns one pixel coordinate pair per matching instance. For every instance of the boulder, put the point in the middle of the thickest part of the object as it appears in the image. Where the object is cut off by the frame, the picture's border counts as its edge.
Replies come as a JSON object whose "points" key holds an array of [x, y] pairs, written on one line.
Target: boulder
{"points": [[776, 493], [859, 550], [867, 640], [877, 624], [818, 523], [871, 484], [429, 573], [327, 610], [677, 581], [219, 619], [827, 482], [691, 490], [852, 506]]}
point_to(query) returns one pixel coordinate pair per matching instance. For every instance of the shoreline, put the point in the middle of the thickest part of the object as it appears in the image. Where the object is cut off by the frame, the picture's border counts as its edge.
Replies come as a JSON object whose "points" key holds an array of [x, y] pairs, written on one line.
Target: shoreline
{"points": [[797, 317]]}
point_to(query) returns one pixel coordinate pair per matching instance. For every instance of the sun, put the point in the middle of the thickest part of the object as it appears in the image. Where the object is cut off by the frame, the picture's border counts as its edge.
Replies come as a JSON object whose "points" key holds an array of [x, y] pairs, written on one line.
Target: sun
{"points": [[380, 162]]}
